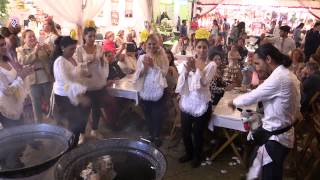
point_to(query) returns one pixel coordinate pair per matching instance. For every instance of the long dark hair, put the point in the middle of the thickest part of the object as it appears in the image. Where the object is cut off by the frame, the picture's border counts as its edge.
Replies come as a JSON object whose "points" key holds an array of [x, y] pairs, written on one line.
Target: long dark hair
{"points": [[4, 57], [171, 57], [86, 31], [269, 50], [59, 43]]}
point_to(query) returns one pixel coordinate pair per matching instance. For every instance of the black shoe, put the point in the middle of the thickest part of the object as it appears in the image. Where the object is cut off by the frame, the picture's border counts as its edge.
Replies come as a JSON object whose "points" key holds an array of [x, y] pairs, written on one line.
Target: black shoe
{"points": [[185, 158], [195, 163]]}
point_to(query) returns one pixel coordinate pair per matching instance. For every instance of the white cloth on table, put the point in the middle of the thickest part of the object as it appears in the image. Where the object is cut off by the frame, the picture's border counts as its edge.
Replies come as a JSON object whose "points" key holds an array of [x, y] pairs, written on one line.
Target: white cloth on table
{"points": [[194, 89], [151, 84], [97, 67], [13, 92], [67, 80], [280, 95]]}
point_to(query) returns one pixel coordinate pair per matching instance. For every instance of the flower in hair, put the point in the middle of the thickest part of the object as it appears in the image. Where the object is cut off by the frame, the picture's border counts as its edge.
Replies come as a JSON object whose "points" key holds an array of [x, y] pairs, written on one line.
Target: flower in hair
{"points": [[144, 35], [90, 23], [73, 34], [202, 33]]}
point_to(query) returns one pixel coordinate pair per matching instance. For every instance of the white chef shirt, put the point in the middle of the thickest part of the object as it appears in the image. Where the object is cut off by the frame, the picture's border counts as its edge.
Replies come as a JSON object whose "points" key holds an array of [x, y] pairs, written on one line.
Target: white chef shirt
{"points": [[280, 95]]}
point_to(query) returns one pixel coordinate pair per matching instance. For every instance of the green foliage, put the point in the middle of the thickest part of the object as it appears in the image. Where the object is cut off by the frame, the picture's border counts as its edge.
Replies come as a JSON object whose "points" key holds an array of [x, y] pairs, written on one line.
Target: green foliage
{"points": [[3, 8], [3, 11]]}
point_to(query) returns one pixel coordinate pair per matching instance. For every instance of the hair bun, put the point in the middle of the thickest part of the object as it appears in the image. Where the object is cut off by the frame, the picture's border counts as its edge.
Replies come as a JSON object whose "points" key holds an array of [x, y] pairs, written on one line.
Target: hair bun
{"points": [[57, 41], [89, 23]]}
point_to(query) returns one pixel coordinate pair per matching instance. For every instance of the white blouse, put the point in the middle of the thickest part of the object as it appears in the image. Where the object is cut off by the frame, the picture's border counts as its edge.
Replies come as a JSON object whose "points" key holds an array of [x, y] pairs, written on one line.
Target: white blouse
{"points": [[67, 80], [98, 69], [194, 89], [13, 92], [151, 84]]}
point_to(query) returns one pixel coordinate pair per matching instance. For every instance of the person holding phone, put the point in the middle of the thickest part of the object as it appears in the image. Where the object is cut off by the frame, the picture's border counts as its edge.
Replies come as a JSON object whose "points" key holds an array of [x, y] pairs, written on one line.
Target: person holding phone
{"points": [[193, 86], [40, 81]]}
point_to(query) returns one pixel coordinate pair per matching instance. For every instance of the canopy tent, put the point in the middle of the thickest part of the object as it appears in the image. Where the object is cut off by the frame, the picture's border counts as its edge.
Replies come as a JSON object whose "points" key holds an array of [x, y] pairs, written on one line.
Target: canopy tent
{"points": [[75, 12], [258, 14], [311, 5]]}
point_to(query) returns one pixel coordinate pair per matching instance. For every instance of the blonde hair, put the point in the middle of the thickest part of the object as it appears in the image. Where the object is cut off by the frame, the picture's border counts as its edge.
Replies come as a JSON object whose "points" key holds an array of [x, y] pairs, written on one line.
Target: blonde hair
{"points": [[160, 57], [24, 34]]}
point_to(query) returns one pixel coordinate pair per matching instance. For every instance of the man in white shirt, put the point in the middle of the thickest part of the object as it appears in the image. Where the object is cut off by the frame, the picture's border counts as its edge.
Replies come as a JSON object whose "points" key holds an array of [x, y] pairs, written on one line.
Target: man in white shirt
{"points": [[283, 43], [280, 96]]}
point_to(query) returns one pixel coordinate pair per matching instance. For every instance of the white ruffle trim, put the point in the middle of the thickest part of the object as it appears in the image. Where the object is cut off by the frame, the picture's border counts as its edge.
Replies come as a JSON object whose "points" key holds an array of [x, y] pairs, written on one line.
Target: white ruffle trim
{"points": [[12, 106], [153, 86], [74, 90], [195, 103]]}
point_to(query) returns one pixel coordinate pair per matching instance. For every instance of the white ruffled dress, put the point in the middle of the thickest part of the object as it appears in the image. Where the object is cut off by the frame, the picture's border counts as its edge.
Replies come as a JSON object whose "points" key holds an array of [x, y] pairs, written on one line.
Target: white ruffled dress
{"points": [[194, 89]]}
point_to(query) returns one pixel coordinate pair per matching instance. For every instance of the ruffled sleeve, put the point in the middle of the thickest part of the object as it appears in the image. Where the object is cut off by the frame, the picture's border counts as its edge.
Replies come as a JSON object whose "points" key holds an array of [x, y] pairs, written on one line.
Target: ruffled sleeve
{"points": [[138, 76], [202, 77], [182, 84], [71, 77], [208, 73], [11, 101]]}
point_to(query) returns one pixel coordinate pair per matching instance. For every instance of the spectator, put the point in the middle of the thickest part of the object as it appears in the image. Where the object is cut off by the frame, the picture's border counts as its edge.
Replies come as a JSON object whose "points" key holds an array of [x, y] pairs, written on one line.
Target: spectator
{"points": [[276, 31], [312, 40], [297, 34], [225, 30], [283, 43], [184, 29], [310, 85], [297, 58]]}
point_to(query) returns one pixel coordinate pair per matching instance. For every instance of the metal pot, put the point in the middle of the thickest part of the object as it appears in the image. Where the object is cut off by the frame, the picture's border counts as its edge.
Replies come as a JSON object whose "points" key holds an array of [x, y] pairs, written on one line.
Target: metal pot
{"points": [[132, 159], [30, 149]]}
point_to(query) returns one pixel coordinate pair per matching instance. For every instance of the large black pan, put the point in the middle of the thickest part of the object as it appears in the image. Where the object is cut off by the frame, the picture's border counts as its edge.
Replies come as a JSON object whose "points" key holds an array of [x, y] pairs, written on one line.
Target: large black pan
{"points": [[30, 149], [132, 160]]}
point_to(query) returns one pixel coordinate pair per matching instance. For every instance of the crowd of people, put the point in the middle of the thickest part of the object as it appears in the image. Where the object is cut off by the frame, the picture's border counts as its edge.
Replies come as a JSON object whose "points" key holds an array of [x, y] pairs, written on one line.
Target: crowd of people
{"points": [[70, 80]]}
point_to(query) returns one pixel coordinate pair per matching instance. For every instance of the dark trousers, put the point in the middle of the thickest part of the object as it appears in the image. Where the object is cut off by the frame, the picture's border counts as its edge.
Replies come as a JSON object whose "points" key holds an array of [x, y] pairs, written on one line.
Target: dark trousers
{"points": [[97, 102], [278, 153], [194, 126], [153, 111], [75, 115]]}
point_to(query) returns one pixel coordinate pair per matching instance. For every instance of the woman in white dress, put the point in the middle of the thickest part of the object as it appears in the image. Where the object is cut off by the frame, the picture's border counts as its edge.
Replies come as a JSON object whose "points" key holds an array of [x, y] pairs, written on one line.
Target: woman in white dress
{"points": [[193, 87], [13, 90], [96, 72], [70, 102], [150, 78]]}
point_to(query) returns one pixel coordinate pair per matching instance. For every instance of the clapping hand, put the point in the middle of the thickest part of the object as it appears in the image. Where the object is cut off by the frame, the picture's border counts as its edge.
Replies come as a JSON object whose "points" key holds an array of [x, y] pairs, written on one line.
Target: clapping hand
{"points": [[190, 66], [148, 61], [231, 105], [25, 71]]}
